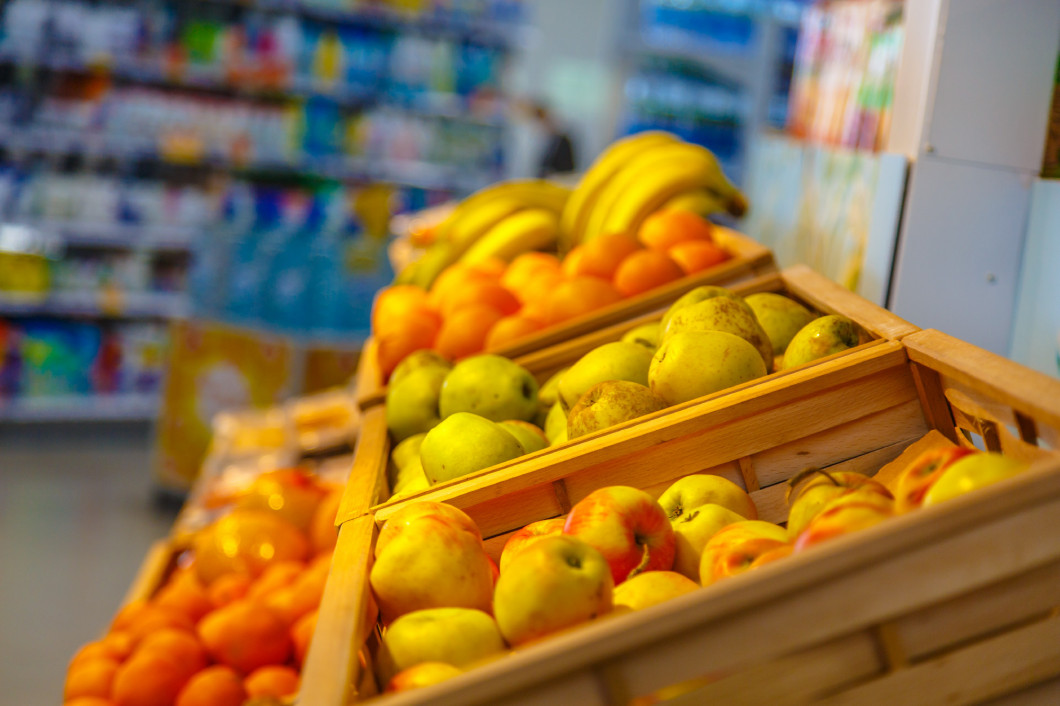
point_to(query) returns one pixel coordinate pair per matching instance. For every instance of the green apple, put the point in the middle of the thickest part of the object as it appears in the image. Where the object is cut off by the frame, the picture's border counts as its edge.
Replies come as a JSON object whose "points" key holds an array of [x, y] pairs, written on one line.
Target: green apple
{"points": [[424, 358], [696, 363], [688, 493], [821, 337], [608, 403], [646, 335], [530, 437], [971, 472], [456, 636], [780, 317], [693, 530], [722, 314], [555, 423], [490, 386], [618, 360], [464, 443], [407, 451], [699, 294], [412, 402]]}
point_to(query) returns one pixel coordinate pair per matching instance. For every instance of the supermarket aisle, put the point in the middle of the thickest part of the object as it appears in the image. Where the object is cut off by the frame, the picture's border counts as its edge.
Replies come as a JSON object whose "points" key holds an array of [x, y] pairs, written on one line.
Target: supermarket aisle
{"points": [[76, 518]]}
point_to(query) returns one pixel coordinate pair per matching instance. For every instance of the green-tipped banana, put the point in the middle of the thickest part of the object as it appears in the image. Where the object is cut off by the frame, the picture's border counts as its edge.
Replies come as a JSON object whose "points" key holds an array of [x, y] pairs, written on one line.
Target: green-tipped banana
{"points": [[530, 229], [581, 203]]}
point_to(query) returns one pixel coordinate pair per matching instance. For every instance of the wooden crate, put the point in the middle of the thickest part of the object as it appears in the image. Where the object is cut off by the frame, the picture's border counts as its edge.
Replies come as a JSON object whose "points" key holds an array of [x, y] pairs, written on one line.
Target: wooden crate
{"points": [[749, 260], [367, 485], [955, 603]]}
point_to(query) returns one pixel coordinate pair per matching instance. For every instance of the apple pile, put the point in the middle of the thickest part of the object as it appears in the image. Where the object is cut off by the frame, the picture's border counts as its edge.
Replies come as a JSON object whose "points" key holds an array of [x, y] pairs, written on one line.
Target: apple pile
{"points": [[446, 606]]}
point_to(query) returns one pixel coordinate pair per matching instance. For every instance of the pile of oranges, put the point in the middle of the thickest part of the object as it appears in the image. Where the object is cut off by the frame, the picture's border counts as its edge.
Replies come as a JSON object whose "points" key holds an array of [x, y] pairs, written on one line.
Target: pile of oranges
{"points": [[222, 629], [483, 306]]}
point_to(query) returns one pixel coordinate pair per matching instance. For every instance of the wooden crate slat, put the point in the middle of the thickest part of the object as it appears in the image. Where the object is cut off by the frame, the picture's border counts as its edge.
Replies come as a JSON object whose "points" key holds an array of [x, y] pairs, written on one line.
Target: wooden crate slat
{"points": [[332, 667], [367, 482], [976, 614], [1046, 692], [984, 670]]}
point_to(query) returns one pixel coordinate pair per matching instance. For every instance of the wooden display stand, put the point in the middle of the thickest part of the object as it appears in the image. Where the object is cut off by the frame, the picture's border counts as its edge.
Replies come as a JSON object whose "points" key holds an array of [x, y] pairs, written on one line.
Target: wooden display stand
{"points": [[749, 260], [954, 603]]}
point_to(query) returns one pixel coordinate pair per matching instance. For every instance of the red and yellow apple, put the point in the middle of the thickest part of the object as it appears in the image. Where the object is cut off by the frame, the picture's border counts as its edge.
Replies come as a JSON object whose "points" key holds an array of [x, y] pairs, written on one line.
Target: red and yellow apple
{"points": [[400, 520], [421, 675], [852, 512], [970, 473], [521, 539], [555, 583], [813, 490], [652, 587], [922, 473], [627, 526], [734, 548]]}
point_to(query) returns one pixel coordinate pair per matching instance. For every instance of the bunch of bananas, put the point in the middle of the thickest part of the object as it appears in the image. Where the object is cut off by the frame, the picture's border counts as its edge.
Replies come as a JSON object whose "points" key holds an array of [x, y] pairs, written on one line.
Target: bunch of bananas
{"points": [[639, 175], [502, 220]]}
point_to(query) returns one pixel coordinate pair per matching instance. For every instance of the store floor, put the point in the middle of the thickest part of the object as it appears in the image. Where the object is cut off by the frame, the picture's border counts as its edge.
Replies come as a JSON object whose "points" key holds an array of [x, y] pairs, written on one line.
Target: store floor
{"points": [[77, 515]]}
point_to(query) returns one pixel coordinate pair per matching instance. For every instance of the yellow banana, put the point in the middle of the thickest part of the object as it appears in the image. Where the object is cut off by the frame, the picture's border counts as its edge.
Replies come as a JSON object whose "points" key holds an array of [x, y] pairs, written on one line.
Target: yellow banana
{"points": [[530, 229], [430, 264], [700, 202], [531, 193], [477, 221], [580, 205]]}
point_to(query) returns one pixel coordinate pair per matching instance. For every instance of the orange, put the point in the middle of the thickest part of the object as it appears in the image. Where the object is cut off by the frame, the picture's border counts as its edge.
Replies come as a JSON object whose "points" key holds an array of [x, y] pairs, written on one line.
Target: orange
{"points": [[480, 292], [292, 493], [523, 268], [119, 643], [247, 541], [406, 337], [322, 531], [186, 595], [490, 266], [697, 255], [88, 701], [464, 332], [245, 635], [275, 681], [509, 329], [280, 574], [300, 597], [396, 303], [148, 680], [538, 287], [664, 229], [127, 613], [97, 649], [180, 646], [602, 256], [644, 270], [572, 261], [228, 588], [90, 677], [579, 296], [302, 635], [452, 279], [214, 686], [156, 618]]}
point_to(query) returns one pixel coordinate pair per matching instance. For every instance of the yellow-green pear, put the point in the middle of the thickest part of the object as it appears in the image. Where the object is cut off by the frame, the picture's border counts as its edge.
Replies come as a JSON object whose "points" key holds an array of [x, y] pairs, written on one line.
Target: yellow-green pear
{"points": [[556, 422], [617, 360], [410, 475], [970, 473], [456, 636], [822, 337], [423, 358], [694, 296], [723, 314], [646, 335], [464, 443], [529, 436], [780, 317], [412, 402], [548, 394], [609, 403], [696, 363], [408, 450], [560, 438], [490, 386]]}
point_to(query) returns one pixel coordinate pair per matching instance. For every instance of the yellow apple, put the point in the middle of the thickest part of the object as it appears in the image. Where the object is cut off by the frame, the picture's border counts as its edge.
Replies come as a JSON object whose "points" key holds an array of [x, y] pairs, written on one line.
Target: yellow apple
{"points": [[690, 492], [420, 675], [693, 530], [456, 636], [972, 472], [922, 473], [523, 538], [652, 587], [556, 582]]}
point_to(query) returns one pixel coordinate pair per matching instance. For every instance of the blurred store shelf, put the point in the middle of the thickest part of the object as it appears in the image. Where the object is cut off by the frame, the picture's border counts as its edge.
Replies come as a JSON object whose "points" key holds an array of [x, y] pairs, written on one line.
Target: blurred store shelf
{"points": [[80, 408], [96, 303], [118, 235]]}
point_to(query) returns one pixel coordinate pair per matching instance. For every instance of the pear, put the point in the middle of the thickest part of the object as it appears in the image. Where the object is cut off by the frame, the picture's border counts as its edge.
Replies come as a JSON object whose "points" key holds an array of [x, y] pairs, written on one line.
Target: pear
{"points": [[555, 423], [423, 358], [723, 314], [560, 438], [529, 436], [464, 443], [780, 317], [618, 360], [608, 403], [490, 386], [409, 477], [696, 363], [407, 451], [821, 337], [412, 403], [646, 335], [548, 394], [699, 294]]}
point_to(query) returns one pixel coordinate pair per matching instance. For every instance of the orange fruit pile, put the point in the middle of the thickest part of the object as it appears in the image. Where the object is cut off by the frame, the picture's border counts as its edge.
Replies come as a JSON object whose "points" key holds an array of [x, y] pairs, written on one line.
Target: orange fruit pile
{"points": [[482, 307], [232, 632]]}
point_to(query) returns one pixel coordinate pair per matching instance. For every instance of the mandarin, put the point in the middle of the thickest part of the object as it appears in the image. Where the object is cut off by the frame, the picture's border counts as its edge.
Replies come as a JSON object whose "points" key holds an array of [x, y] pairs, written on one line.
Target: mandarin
{"points": [[180, 646], [155, 618], [97, 649], [411, 336], [245, 635], [644, 270], [697, 255], [664, 229], [464, 332], [214, 686], [185, 594], [293, 601], [523, 268], [90, 677], [322, 530], [396, 303], [302, 635], [538, 287], [578, 296], [602, 256], [228, 588], [572, 261], [88, 701], [247, 541], [509, 329], [492, 294], [275, 680], [280, 574], [148, 680], [452, 279]]}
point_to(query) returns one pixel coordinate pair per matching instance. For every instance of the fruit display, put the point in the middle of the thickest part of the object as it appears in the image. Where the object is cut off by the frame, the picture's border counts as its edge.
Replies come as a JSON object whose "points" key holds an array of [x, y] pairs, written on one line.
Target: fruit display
{"points": [[232, 618], [522, 256]]}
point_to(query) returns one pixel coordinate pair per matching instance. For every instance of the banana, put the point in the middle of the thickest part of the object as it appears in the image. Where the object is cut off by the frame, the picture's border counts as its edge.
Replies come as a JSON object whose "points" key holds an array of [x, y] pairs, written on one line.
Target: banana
{"points": [[431, 263], [580, 204], [531, 193], [530, 229], [477, 221], [700, 202]]}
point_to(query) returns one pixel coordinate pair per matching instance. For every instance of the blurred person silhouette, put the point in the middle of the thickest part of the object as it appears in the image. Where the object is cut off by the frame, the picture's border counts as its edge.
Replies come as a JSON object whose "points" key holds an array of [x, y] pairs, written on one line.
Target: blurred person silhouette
{"points": [[557, 155]]}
